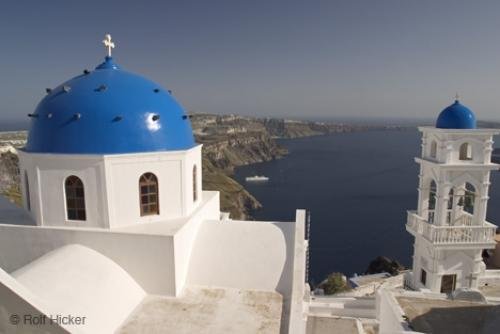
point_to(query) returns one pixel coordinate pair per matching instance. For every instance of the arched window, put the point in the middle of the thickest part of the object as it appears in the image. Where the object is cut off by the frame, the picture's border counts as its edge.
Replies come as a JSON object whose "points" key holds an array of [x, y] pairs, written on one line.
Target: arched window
{"points": [[195, 184], [432, 201], [27, 191], [432, 195], [433, 149], [75, 198], [450, 206], [465, 152], [469, 198], [450, 199], [148, 189]]}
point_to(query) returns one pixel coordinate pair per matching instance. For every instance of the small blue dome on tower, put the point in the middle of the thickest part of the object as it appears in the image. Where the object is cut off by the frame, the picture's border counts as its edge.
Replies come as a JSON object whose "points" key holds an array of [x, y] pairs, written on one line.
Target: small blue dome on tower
{"points": [[456, 116], [108, 111]]}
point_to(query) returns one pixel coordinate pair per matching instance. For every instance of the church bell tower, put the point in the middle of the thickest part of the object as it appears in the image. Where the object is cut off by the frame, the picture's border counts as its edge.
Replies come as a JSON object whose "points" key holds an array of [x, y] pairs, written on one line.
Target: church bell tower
{"points": [[449, 225]]}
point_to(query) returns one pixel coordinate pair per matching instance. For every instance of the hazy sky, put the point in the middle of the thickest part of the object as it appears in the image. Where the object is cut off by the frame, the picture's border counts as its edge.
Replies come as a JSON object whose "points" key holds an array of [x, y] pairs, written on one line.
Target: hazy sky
{"points": [[304, 59]]}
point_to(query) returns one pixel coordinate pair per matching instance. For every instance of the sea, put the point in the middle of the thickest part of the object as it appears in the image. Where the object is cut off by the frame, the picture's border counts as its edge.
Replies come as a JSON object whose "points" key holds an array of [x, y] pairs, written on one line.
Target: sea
{"points": [[357, 187]]}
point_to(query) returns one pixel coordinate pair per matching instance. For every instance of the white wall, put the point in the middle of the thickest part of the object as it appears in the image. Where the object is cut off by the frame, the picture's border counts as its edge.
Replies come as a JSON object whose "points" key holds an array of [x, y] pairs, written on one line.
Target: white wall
{"points": [[253, 255], [460, 263], [294, 300], [174, 180], [123, 175], [148, 259], [184, 239], [239, 254], [390, 314], [111, 184], [147, 255], [192, 158], [439, 262], [78, 281], [449, 141], [47, 174], [490, 277]]}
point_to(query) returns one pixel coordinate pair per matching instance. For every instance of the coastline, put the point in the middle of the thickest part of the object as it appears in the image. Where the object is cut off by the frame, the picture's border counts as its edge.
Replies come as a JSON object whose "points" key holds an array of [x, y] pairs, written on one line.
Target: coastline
{"points": [[232, 141]]}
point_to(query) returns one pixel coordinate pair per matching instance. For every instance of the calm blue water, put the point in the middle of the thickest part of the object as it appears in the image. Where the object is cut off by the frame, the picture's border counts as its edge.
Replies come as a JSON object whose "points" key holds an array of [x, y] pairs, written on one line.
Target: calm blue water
{"points": [[357, 187]]}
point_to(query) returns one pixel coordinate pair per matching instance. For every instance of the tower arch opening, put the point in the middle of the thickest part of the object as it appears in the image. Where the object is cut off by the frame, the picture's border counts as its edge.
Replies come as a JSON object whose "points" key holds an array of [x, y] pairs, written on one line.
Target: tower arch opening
{"points": [[468, 199], [433, 152], [465, 152], [431, 204]]}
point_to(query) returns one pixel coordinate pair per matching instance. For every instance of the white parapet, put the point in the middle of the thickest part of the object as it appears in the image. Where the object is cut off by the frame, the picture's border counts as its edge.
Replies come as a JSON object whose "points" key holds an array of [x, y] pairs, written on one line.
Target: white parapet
{"points": [[483, 236]]}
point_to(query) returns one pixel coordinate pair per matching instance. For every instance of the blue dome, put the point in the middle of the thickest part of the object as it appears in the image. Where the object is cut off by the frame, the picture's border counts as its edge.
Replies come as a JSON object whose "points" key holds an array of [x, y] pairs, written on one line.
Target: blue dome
{"points": [[108, 111], [456, 116]]}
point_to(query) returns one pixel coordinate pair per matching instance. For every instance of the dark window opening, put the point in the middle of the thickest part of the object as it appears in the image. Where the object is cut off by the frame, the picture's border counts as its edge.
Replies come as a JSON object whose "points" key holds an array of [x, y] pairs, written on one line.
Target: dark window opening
{"points": [[465, 152], [27, 191], [75, 198], [148, 189], [423, 277], [195, 185]]}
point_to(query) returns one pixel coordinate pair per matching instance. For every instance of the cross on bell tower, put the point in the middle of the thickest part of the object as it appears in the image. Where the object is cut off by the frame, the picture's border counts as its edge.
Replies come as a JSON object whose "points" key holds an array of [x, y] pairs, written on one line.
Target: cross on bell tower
{"points": [[108, 44]]}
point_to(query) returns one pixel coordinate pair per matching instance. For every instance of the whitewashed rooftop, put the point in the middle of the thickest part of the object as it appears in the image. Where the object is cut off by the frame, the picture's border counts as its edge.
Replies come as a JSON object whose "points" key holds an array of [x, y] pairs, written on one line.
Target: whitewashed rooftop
{"points": [[207, 310]]}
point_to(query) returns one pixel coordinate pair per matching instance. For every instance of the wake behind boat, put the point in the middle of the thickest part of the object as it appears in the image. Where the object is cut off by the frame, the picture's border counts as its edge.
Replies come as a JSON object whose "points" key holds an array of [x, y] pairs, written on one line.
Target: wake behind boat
{"points": [[256, 178]]}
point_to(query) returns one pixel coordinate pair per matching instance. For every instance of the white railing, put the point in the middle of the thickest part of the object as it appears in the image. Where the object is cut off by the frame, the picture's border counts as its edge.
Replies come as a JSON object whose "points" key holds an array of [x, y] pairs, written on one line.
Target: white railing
{"points": [[464, 218], [461, 232]]}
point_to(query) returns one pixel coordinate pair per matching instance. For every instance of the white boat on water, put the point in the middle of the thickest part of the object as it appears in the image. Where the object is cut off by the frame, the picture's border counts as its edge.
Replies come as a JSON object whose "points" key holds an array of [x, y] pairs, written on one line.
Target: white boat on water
{"points": [[256, 178]]}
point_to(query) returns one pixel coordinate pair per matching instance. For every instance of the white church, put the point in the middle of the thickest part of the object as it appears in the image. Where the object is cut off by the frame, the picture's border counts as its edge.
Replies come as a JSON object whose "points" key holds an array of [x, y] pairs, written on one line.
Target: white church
{"points": [[125, 239], [119, 236]]}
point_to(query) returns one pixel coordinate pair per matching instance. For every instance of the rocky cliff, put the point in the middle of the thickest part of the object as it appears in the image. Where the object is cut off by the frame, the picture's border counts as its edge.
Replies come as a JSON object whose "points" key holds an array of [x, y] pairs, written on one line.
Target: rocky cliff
{"points": [[230, 151], [223, 153], [233, 197], [283, 128], [9, 176]]}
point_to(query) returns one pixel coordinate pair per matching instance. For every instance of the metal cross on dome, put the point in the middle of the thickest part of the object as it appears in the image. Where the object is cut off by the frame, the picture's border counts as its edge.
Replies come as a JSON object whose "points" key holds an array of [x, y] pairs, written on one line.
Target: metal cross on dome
{"points": [[108, 44]]}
